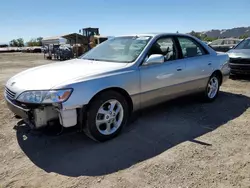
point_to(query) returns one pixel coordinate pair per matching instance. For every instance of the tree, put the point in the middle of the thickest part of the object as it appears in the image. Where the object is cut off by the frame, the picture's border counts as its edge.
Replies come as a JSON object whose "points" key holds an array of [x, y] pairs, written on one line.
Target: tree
{"points": [[13, 43], [202, 36], [20, 42], [244, 36], [17, 42], [31, 42], [209, 39], [39, 40], [195, 34], [35, 42]]}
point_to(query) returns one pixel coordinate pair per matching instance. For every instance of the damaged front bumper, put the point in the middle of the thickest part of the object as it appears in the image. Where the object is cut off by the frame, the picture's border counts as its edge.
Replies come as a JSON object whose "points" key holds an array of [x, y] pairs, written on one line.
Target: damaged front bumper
{"points": [[38, 116]]}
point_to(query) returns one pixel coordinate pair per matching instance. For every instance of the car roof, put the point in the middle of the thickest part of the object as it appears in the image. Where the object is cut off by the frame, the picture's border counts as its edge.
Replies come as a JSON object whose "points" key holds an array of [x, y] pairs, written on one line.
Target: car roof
{"points": [[154, 34]]}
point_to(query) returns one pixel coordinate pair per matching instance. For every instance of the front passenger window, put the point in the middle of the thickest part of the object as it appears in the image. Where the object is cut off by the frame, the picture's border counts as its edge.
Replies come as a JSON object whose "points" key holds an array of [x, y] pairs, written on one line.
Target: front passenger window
{"points": [[166, 47]]}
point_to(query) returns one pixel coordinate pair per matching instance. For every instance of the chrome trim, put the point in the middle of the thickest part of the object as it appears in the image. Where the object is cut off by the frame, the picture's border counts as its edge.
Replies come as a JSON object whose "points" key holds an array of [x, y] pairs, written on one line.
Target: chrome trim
{"points": [[10, 94], [239, 64]]}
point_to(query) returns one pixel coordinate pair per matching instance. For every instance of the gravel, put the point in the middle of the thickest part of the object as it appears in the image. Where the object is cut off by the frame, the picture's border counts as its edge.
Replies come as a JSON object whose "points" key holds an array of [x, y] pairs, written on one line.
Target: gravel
{"points": [[182, 143]]}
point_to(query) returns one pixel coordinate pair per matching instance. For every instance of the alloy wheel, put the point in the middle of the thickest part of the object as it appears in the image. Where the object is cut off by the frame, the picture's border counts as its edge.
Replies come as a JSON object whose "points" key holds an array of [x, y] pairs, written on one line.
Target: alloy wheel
{"points": [[109, 117], [213, 87]]}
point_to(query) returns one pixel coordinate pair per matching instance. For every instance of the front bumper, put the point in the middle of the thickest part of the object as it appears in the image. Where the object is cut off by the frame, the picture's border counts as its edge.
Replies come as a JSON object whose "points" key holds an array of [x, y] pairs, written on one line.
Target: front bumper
{"points": [[17, 110], [39, 116], [237, 68]]}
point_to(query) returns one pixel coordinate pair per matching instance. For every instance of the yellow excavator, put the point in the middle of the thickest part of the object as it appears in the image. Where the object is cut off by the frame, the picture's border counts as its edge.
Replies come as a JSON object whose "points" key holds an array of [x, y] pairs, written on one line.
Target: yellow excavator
{"points": [[91, 38]]}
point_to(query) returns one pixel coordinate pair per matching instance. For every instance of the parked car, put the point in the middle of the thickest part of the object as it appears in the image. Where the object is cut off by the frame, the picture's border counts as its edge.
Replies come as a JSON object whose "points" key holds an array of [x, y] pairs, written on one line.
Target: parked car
{"points": [[223, 45], [240, 58], [101, 89]]}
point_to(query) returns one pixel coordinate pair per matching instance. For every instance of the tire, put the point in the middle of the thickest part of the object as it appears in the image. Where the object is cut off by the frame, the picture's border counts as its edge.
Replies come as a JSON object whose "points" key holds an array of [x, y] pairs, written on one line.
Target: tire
{"points": [[215, 81], [102, 123]]}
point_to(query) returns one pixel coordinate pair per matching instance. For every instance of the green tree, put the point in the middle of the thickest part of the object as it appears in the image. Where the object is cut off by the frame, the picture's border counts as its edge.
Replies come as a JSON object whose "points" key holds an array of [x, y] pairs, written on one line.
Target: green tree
{"points": [[13, 43], [39, 40], [17, 42], [195, 34], [35, 42], [20, 42], [209, 39], [244, 36]]}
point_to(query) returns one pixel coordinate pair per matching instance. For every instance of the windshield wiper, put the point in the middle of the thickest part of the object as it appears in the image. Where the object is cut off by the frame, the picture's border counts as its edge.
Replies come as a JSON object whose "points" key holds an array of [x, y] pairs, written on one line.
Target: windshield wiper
{"points": [[92, 59]]}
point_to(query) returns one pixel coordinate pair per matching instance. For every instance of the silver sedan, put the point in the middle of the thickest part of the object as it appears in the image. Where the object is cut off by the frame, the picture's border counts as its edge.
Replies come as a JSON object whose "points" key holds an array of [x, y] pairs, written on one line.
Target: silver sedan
{"points": [[240, 58], [100, 90]]}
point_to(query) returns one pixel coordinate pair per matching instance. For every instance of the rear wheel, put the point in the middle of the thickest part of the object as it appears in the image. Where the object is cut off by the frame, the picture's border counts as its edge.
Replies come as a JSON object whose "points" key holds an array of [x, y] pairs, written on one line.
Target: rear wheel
{"points": [[212, 89], [106, 116]]}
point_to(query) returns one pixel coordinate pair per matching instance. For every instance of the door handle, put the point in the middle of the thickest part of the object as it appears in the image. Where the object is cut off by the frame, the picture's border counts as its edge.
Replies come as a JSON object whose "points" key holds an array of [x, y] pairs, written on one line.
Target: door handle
{"points": [[210, 63], [179, 69]]}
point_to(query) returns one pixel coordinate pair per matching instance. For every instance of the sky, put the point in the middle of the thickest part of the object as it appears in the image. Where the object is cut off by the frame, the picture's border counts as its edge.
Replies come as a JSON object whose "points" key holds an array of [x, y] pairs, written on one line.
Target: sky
{"points": [[31, 19]]}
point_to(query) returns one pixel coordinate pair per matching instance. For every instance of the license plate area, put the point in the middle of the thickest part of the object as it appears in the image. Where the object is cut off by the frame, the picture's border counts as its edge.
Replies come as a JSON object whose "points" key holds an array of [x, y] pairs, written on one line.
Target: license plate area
{"points": [[18, 111]]}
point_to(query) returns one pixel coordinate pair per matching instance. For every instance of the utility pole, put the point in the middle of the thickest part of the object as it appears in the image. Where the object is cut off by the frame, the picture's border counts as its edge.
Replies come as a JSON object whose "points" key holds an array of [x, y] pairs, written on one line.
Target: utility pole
{"points": [[76, 45]]}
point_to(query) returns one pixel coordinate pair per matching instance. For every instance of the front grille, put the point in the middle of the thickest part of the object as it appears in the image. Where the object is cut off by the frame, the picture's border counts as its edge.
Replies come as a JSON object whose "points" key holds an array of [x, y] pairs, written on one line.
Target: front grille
{"points": [[238, 67], [239, 61], [10, 94]]}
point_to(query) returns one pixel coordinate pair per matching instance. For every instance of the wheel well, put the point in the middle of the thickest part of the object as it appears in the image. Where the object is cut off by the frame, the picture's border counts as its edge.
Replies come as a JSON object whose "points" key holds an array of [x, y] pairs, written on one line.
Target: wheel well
{"points": [[217, 72], [118, 90]]}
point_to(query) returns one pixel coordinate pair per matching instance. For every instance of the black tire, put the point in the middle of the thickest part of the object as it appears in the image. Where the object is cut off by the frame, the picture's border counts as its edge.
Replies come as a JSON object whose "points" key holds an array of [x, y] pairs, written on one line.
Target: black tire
{"points": [[90, 127], [205, 94]]}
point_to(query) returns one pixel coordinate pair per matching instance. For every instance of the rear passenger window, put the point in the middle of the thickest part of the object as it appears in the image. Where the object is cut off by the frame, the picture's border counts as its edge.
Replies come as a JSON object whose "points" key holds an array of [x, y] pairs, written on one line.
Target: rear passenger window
{"points": [[190, 48]]}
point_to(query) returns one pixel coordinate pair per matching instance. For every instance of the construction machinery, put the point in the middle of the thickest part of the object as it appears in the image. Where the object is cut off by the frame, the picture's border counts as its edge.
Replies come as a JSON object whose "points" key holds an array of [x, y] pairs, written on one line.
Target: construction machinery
{"points": [[79, 43], [93, 36]]}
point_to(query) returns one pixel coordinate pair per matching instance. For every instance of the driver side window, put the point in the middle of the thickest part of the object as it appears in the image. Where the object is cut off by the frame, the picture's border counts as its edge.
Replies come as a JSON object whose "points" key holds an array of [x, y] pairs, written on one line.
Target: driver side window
{"points": [[166, 47]]}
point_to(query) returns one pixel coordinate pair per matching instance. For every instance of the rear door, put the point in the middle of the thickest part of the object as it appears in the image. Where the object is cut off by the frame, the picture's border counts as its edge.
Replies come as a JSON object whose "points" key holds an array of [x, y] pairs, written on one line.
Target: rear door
{"points": [[198, 61]]}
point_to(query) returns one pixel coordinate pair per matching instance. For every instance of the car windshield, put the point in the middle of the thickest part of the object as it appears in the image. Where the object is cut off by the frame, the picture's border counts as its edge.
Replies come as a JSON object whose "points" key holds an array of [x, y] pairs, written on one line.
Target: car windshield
{"points": [[118, 49], [245, 44]]}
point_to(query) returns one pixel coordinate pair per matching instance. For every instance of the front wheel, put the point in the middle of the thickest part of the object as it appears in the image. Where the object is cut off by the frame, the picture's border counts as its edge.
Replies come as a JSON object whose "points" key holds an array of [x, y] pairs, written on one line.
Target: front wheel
{"points": [[212, 89], [106, 116]]}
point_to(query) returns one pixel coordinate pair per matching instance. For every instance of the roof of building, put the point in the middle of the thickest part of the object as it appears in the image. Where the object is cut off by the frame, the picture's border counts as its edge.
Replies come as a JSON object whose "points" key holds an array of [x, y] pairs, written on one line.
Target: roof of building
{"points": [[52, 38], [71, 36]]}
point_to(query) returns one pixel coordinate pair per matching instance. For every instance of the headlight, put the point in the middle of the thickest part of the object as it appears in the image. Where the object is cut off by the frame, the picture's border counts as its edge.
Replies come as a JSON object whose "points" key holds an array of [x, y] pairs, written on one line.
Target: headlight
{"points": [[53, 96]]}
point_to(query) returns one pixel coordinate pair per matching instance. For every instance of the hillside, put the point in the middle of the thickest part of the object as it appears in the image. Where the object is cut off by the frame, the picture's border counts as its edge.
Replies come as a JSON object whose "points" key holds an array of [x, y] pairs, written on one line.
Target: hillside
{"points": [[225, 33]]}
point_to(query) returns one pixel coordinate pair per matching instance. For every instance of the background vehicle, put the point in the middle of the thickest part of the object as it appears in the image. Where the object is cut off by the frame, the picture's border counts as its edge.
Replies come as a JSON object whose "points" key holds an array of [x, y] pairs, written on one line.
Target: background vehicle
{"points": [[100, 90], [93, 36], [240, 58], [223, 45]]}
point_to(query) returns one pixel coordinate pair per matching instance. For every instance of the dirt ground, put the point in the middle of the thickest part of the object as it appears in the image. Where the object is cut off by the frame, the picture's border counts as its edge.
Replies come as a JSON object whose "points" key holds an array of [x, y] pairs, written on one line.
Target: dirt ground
{"points": [[183, 143]]}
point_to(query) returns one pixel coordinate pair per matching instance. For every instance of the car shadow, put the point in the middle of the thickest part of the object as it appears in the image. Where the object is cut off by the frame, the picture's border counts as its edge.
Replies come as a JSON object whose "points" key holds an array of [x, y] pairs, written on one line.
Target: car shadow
{"points": [[241, 78], [156, 130]]}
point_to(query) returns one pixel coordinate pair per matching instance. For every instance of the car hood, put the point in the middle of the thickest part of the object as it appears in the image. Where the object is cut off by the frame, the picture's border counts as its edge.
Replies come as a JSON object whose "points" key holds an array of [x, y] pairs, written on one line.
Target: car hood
{"points": [[51, 75], [236, 53]]}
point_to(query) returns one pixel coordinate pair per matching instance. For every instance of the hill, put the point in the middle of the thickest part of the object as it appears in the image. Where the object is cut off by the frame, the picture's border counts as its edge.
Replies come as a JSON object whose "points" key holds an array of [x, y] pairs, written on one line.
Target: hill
{"points": [[225, 33]]}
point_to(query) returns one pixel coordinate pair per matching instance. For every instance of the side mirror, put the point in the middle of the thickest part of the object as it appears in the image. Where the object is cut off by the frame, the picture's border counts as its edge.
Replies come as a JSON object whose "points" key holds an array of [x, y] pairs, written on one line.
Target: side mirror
{"points": [[154, 59]]}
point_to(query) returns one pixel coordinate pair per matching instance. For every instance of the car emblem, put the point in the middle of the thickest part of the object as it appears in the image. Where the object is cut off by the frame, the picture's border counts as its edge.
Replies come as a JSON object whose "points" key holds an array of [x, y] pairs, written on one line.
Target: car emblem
{"points": [[12, 83]]}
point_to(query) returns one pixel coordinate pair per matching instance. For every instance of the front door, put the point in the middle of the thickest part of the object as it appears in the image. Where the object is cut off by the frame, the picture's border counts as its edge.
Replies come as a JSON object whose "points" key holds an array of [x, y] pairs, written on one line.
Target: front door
{"points": [[162, 81]]}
